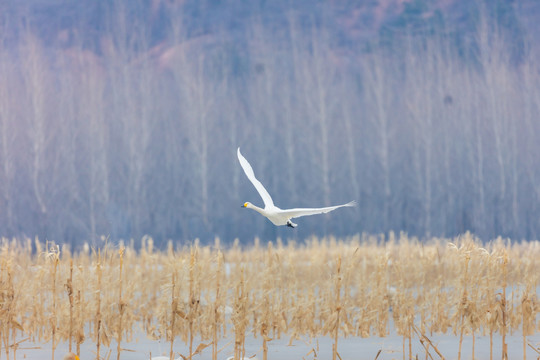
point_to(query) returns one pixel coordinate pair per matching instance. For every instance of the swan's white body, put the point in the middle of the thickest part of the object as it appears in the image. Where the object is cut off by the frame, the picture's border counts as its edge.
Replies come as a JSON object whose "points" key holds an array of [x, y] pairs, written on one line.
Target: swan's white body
{"points": [[276, 215]]}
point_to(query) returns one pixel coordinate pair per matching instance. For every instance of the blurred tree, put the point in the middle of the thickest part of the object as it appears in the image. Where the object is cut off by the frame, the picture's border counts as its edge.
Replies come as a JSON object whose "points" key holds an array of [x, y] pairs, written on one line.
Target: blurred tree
{"points": [[122, 118]]}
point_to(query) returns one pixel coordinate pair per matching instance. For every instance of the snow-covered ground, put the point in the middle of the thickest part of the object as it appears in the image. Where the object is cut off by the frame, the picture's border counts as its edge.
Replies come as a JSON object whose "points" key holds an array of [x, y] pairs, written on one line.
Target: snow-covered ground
{"points": [[352, 348]]}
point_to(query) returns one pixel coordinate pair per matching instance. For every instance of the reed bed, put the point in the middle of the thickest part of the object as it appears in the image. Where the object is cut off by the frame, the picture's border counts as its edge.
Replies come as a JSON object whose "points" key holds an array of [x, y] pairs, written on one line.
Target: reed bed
{"points": [[323, 287]]}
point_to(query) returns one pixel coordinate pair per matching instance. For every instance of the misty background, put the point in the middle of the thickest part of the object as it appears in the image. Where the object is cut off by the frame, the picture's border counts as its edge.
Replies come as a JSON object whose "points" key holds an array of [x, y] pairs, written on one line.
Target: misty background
{"points": [[122, 118]]}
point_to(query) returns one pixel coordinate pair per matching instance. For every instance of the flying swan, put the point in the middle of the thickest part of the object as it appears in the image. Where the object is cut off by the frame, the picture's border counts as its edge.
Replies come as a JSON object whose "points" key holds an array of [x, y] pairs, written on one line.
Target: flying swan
{"points": [[276, 215]]}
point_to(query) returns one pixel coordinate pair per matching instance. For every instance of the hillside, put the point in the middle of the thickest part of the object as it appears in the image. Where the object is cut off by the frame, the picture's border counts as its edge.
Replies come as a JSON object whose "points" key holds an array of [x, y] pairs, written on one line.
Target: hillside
{"points": [[65, 23]]}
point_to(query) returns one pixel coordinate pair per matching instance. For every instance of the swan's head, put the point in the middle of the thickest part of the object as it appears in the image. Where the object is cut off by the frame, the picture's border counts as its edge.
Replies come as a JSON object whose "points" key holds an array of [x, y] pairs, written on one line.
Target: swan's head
{"points": [[71, 356], [246, 204]]}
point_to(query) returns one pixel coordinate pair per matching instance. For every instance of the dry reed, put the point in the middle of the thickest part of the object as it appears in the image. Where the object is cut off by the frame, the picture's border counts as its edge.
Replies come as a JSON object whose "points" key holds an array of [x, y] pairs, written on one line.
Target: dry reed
{"points": [[350, 287]]}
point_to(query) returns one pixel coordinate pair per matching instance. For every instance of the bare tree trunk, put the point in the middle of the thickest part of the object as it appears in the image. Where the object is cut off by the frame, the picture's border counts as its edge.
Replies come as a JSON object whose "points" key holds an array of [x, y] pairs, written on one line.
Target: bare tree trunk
{"points": [[351, 153], [323, 73], [201, 104], [34, 71], [428, 152], [99, 189], [197, 104], [480, 218], [6, 134], [377, 83], [292, 109], [290, 149]]}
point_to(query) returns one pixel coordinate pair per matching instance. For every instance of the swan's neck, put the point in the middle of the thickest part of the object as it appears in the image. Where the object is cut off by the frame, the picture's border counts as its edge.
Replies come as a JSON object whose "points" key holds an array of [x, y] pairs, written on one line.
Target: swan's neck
{"points": [[257, 209]]}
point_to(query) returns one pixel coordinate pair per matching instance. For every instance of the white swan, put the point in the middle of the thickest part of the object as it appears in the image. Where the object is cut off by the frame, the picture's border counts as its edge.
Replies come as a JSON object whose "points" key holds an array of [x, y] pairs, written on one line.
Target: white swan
{"points": [[276, 215], [71, 356]]}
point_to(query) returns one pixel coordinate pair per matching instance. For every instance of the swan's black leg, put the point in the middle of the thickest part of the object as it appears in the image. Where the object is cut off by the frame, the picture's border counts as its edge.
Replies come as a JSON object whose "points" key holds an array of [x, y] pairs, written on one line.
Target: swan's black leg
{"points": [[291, 224]]}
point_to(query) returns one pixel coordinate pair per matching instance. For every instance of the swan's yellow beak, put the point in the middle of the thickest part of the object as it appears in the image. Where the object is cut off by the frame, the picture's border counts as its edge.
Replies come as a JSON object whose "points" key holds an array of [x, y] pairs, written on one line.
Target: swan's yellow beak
{"points": [[245, 205]]}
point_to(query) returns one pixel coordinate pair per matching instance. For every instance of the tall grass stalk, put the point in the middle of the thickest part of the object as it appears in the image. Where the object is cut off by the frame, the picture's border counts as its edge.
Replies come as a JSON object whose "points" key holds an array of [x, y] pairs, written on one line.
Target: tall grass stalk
{"points": [[337, 309], [174, 311], [503, 305], [121, 304], [80, 321], [98, 318], [464, 301], [193, 298], [54, 256], [239, 318], [217, 306], [69, 290]]}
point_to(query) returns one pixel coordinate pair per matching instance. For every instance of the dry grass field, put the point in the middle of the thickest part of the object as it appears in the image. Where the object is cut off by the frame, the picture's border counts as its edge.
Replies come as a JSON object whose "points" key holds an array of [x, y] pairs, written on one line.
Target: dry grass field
{"points": [[359, 286]]}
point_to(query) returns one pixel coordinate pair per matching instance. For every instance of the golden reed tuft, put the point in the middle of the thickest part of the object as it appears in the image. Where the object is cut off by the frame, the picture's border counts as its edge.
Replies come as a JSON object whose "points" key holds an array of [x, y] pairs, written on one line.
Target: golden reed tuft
{"points": [[358, 286]]}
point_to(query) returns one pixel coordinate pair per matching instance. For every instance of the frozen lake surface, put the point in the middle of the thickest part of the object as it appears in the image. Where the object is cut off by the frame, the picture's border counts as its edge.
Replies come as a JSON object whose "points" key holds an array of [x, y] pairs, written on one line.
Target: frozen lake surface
{"points": [[351, 348]]}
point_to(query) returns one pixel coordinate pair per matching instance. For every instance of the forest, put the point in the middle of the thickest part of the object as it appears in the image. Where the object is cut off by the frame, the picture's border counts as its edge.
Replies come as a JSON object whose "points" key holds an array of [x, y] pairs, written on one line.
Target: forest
{"points": [[120, 119]]}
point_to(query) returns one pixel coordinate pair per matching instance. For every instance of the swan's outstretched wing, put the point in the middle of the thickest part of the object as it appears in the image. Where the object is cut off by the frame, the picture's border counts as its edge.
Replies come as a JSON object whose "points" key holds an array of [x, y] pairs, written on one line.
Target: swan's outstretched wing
{"points": [[295, 213], [268, 203]]}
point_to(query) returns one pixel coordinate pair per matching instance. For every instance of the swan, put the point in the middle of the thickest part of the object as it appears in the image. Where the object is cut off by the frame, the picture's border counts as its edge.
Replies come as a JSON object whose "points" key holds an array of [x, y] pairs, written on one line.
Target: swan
{"points": [[276, 215], [71, 356]]}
